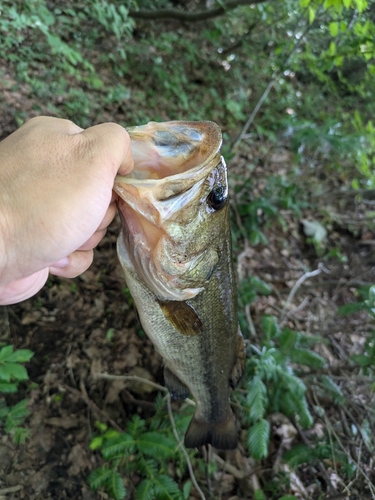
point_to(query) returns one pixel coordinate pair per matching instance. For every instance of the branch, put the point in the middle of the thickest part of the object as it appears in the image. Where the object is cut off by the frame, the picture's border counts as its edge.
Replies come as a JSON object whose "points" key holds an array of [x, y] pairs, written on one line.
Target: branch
{"points": [[183, 449], [297, 284], [198, 15]]}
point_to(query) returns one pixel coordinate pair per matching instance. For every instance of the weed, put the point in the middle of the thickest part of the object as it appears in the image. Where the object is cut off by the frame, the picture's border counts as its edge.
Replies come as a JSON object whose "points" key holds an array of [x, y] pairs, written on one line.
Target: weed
{"points": [[12, 372]]}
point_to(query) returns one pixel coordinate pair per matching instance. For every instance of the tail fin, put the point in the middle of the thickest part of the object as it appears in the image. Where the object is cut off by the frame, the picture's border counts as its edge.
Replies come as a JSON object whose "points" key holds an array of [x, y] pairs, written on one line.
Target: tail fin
{"points": [[221, 435]]}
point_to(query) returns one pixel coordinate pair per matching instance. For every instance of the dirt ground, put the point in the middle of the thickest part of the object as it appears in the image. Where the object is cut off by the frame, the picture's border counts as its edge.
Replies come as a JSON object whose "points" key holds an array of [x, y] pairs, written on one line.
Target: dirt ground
{"points": [[80, 327]]}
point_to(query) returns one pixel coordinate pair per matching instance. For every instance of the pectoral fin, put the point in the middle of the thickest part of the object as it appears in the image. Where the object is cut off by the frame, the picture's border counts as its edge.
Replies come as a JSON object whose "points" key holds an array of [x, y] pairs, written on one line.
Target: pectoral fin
{"points": [[177, 389], [239, 365], [182, 316]]}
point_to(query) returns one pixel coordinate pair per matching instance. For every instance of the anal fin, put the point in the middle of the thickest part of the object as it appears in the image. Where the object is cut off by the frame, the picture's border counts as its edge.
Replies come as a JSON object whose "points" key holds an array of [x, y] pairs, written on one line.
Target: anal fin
{"points": [[176, 388]]}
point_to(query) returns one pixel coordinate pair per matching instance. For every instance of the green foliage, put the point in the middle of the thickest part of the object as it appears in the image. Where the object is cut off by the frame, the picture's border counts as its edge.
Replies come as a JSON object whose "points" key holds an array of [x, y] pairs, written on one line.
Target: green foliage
{"points": [[11, 373], [365, 360], [301, 454], [258, 439], [330, 387], [145, 448], [272, 385]]}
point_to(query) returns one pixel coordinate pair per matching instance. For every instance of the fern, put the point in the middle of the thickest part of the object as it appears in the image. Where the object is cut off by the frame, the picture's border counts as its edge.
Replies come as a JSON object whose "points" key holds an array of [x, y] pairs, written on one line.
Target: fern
{"points": [[16, 415], [136, 426], [20, 434], [11, 373], [145, 490], [256, 398], [259, 435], [306, 357], [333, 390], [299, 454], [287, 339], [108, 479], [292, 383], [270, 326], [154, 444], [145, 452], [118, 446], [295, 406], [98, 477], [147, 465], [115, 486], [166, 488]]}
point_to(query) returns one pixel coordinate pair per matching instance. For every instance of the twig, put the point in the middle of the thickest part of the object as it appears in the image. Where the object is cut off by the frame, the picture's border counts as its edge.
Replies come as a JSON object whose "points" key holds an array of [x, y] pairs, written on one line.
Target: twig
{"points": [[183, 449], [370, 485], [358, 426], [319, 463], [253, 332], [84, 396], [134, 378], [11, 489], [255, 110], [293, 291], [238, 474], [272, 82]]}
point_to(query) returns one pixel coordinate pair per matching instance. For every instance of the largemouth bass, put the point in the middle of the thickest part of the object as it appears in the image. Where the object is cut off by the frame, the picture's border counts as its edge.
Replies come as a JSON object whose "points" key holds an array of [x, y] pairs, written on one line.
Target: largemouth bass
{"points": [[175, 249]]}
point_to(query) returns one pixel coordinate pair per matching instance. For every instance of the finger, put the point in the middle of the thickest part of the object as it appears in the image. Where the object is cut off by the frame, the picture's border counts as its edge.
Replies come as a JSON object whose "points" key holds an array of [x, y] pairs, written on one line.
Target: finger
{"points": [[109, 216], [23, 289], [112, 142], [114, 197], [50, 124], [79, 262], [93, 241]]}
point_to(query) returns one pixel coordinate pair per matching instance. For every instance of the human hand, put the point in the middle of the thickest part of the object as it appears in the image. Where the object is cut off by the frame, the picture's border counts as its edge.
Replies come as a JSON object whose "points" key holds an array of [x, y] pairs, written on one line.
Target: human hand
{"points": [[56, 200]]}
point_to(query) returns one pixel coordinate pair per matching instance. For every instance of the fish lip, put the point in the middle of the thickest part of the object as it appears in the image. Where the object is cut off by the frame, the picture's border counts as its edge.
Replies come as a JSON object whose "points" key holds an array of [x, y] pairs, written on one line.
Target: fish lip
{"points": [[166, 187]]}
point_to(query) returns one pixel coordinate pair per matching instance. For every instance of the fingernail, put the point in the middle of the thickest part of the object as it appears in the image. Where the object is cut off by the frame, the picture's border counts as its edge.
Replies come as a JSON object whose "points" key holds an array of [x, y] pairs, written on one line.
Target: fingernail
{"points": [[61, 263]]}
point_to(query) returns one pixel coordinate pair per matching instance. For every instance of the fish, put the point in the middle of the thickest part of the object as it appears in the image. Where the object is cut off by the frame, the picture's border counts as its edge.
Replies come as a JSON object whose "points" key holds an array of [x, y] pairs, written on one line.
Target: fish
{"points": [[176, 252]]}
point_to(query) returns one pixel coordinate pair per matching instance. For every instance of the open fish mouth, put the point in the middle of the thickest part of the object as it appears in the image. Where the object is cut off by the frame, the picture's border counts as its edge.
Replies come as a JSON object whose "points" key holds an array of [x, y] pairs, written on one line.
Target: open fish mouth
{"points": [[176, 167]]}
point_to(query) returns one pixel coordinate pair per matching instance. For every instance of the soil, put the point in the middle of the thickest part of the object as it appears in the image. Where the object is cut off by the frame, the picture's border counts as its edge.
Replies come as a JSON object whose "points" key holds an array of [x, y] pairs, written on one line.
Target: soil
{"points": [[78, 328]]}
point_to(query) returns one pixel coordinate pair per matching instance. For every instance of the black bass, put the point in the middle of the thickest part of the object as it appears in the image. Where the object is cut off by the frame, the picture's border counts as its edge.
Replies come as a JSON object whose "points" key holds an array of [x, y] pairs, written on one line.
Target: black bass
{"points": [[175, 249]]}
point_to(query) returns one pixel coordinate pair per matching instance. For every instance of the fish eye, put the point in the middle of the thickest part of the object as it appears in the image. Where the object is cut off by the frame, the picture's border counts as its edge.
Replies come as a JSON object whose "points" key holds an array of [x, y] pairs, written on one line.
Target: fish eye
{"points": [[218, 197]]}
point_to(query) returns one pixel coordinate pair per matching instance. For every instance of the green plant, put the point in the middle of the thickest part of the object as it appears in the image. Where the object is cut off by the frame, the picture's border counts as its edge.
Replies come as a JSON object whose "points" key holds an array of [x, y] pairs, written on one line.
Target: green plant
{"points": [[366, 360], [302, 454], [12, 372], [272, 385], [146, 449]]}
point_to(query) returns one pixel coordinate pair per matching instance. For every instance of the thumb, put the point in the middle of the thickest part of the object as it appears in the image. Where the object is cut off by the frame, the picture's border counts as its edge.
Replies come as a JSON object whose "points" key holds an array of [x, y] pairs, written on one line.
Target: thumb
{"points": [[111, 147], [23, 289]]}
